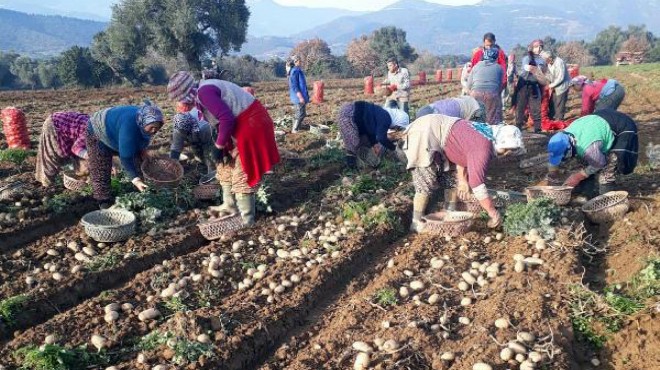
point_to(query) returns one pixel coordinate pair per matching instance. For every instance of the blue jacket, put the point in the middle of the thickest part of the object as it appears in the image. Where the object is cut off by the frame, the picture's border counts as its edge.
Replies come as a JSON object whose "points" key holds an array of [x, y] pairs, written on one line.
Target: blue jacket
{"points": [[297, 83], [373, 122], [125, 136]]}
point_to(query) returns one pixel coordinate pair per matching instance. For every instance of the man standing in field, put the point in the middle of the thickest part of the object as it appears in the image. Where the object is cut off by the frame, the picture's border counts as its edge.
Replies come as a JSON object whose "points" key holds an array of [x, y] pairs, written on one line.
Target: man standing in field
{"points": [[559, 83], [398, 82], [298, 92]]}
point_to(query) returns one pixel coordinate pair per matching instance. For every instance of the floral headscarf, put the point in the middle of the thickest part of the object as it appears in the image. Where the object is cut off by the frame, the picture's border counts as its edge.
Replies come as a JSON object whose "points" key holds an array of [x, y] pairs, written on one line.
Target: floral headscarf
{"points": [[186, 123], [148, 114], [579, 80], [181, 87]]}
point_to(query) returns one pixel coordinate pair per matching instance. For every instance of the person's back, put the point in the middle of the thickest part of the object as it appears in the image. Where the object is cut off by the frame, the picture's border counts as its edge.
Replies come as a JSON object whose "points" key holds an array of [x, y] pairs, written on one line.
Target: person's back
{"points": [[486, 76]]}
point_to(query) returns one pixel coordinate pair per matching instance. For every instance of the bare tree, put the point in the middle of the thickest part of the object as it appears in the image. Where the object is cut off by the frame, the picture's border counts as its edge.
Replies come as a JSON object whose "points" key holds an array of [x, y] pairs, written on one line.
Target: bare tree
{"points": [[362, 56], [313, 53], [575, 52], [636, 44]]}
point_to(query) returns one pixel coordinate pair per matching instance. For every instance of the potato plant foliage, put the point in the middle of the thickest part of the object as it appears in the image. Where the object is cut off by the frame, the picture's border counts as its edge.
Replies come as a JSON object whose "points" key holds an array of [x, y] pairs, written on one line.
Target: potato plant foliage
{"points": [[540, 214]]}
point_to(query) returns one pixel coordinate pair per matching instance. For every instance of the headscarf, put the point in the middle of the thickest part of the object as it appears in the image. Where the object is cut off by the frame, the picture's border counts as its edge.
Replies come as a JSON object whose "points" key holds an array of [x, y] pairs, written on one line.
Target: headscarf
{"points": [[508, 137], [579, 80], [186, 123], [471, 109], [148, 114], [491, 54], [484, 129], [181, 87], [399, 118]]}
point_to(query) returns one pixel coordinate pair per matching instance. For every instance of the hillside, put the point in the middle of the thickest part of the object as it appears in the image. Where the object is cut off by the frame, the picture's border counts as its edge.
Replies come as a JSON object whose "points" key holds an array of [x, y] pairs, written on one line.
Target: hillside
{"points": [[44, 35], [456, 29]]}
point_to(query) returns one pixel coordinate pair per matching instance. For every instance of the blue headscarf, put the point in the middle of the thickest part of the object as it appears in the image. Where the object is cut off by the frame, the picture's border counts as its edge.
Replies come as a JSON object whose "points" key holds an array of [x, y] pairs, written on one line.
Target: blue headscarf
{"points": [[186, 123], [491, 54], [484, 129], [147, 115]]}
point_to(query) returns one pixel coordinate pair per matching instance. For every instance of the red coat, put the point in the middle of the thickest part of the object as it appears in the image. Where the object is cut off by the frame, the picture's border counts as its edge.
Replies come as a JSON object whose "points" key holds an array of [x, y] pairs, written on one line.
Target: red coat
{"points": [[501, 60]]}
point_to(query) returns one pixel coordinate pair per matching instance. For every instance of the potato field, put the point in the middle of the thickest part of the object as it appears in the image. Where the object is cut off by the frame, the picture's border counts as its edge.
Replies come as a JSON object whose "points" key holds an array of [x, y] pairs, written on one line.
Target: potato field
{"points": [[329, 277]]}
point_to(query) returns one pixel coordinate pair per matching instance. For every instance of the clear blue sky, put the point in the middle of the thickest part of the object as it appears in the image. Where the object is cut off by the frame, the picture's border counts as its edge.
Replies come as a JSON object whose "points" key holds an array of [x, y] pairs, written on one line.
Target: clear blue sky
{"points": [[363, 4]]}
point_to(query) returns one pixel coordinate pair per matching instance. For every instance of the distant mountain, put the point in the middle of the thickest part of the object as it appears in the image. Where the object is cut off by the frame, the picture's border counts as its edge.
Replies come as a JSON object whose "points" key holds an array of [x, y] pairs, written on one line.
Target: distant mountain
{"points": [[98, 10], [267, 18], [445, 29], [44, 35]]}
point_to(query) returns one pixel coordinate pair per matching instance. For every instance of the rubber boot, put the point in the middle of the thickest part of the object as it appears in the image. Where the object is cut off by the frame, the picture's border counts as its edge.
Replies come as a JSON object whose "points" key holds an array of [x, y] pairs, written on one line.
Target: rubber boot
{"points": [[420, 201], [246, 205], [228, 206]]}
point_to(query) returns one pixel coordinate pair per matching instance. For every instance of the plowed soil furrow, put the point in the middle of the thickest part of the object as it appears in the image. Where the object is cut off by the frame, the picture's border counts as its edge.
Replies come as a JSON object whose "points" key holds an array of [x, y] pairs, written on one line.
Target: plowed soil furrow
{"points": [[325, 343], [79, 287]]}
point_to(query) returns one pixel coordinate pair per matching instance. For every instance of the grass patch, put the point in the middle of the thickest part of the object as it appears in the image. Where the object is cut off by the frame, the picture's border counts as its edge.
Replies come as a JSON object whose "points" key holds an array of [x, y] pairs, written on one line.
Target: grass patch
{"points": [[540, 214], [185, 351], [173, 305], [386, 297], [55, 357], [61, 202], [104, 262], [11, 306], [326, 157], [16, 156]]}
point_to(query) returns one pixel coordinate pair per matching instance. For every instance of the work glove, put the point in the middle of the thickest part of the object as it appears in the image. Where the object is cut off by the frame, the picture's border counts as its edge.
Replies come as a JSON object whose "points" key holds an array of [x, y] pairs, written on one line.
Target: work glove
{"points": [[575, 179]]}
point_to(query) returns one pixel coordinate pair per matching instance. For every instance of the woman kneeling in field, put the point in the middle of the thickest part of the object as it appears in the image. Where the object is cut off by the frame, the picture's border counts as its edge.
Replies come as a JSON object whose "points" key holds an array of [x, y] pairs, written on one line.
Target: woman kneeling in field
{"points": [[434, 142], [62, 139], [364, 129]]}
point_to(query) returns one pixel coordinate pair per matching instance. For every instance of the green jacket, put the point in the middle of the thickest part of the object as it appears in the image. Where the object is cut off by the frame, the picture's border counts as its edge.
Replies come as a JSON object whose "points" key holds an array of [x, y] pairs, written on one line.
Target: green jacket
{"points": [[588, 130]]}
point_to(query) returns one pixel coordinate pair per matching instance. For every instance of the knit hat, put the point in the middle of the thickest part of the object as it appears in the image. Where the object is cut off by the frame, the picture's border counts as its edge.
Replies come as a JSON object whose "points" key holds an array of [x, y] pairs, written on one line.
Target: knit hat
{"points": [[181, 87], [557, 146]]}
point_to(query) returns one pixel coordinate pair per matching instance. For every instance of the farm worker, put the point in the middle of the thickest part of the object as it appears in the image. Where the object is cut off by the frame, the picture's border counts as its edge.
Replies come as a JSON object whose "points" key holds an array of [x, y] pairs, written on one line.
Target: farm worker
{"points": [[485, 85], [465, 107], [509, 93], [62, 139], [465, 74], [398, 82], [364, 124], [435, 141], [605, 93], [490, 43], [188, 127], [123, 131], [529, 89], [297, 92], [246, 138], [606, 141], [559, 82]]}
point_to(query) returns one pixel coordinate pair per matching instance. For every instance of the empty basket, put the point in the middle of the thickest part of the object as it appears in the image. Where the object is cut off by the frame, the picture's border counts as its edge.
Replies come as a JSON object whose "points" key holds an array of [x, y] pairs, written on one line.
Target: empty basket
{"points": [[163, 172], [448, 223], [608, 207], [216, 228], [109, 225], [561, 195]]}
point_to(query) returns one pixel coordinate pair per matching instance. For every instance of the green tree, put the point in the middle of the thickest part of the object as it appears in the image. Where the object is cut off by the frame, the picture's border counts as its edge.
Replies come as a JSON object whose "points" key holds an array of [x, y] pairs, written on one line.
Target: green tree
{"points": [[654, 55], [391, 42], [6, 77], [194, 29], [606, 44], [76, 67], [48, 76], [26, 70]]}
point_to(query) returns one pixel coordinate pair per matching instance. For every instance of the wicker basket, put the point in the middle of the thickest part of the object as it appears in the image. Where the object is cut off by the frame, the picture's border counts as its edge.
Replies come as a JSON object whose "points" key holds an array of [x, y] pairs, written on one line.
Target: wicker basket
{"points": [[215, 229], [607, 208], [367, 157], [72, 183], [206, 191], [163, 172], [448, 223], [109, 225], [561, 195]]}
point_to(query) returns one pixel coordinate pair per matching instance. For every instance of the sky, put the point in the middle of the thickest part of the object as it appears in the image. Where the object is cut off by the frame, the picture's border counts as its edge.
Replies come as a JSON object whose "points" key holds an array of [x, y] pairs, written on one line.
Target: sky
{"points": [[362, 5]]}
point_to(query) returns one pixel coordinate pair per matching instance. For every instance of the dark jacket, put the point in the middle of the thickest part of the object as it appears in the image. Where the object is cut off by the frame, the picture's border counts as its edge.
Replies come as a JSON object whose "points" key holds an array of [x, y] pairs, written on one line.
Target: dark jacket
{"points": [[373, 122], [626, 143]]}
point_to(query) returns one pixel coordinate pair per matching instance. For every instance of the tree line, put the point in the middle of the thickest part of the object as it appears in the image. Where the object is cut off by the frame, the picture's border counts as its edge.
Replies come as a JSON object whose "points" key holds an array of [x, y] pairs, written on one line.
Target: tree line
{"points": [[147, 40]]}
